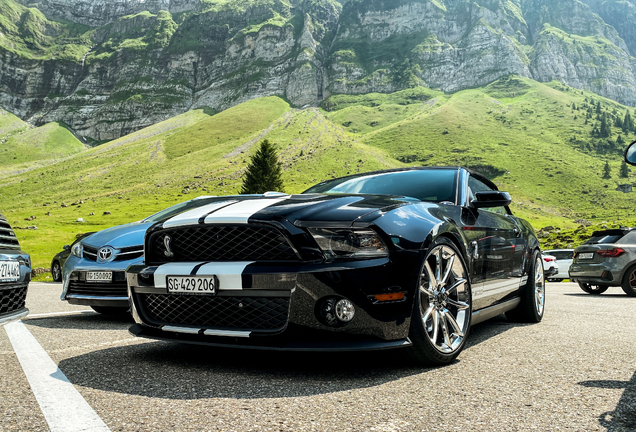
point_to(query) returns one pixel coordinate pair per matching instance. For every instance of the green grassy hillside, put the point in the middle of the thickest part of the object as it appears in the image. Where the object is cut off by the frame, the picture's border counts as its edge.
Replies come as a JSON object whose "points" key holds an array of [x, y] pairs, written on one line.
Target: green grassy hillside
{"points": [[21, 144], [530, 138]]}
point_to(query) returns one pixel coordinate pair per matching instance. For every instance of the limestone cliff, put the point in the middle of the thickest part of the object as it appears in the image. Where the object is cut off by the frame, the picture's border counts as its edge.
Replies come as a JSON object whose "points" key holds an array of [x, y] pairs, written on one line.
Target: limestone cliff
{"points": [[107, 68]]}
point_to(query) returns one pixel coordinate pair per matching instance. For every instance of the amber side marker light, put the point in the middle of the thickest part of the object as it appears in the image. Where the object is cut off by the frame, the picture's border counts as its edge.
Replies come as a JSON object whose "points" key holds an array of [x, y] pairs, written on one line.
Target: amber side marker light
{"points": [[390, 297]]}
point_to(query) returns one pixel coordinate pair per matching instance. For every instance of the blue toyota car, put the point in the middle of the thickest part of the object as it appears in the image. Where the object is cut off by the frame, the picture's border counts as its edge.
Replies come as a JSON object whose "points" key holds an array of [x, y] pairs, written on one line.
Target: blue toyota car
{"points": [[94, 274]]}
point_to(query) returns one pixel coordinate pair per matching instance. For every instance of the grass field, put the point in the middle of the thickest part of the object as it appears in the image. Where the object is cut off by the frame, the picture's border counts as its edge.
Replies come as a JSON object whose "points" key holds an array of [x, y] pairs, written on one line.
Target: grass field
{"points": [[524, 135], [22, 144]]}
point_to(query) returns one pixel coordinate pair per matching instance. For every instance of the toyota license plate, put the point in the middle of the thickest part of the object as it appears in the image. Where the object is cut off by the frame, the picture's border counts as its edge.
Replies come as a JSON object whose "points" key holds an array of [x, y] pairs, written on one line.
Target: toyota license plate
{"points": [[197, 285], [586, 255], [99, 276], [9, 271]]}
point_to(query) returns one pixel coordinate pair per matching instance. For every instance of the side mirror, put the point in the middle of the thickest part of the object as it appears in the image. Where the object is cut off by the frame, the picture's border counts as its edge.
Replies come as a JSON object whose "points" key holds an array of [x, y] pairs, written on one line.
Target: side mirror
{"points": [[491, 199], [630, 154], [66, 248]]}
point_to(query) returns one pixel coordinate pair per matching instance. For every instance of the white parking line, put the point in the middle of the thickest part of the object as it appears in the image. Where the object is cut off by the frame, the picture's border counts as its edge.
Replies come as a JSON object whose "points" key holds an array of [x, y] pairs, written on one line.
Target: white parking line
{"points": [[64, 408]]}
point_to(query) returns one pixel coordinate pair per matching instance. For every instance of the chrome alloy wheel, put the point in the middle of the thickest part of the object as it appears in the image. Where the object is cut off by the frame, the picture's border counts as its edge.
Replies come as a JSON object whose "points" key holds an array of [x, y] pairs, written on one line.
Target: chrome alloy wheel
{"points": [[444, 299], [539, 286]]}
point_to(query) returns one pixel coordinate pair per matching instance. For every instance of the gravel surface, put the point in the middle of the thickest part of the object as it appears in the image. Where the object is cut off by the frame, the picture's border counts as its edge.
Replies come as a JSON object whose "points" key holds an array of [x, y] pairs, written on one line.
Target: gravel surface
{"points": [[575, 371]]}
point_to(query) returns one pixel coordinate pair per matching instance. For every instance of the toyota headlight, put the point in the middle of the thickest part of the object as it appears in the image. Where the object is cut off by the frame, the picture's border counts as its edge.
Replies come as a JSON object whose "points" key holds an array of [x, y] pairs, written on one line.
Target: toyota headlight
{"points": [[77, 249], [343, 243]]}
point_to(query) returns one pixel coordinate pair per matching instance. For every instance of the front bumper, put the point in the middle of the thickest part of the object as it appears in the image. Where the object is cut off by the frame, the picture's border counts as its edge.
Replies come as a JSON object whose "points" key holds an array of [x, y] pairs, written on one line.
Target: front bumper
{"points": [[77, 291], [277, 306], [12, 301], [13, 316], [13, 293]]}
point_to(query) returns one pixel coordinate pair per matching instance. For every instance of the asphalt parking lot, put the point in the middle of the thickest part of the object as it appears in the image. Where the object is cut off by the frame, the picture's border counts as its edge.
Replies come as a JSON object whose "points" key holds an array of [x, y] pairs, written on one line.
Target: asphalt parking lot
{"points": [[575, 371]]}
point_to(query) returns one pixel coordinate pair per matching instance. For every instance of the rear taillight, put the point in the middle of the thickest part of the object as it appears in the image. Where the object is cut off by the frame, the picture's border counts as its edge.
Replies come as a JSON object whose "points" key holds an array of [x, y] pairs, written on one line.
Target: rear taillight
{"points": [[549, 259], [611, 253]]}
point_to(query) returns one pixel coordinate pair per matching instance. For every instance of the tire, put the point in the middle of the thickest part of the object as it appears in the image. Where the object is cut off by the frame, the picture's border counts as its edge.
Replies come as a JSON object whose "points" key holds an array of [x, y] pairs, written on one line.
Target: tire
{"points": [[629, 282], [532, 305], [110, 310], [56, 271], [442, 308], [593, 289]]}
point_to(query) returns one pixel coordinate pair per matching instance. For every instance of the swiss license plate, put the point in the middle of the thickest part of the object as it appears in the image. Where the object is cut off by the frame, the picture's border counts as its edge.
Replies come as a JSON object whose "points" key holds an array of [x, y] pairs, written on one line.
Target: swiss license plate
{"points": [[99, 276], [198, 285], [9, 271], [586, 255]]}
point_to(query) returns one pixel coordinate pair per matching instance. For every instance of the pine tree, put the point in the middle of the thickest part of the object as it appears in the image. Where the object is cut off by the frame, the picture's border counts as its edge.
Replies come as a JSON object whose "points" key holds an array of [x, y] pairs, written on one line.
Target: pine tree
{"points": [[618, 122], [598, 108], [620, 140], [607, 173], [264, 172], [624, 170], [628, 123], [605, 130]]}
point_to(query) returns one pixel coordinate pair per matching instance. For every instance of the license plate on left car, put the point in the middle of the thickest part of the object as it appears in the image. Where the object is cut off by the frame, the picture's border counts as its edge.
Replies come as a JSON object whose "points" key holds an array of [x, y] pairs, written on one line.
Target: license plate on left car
{"points": [[99, 276], [586, 255], [9, 271], [198, 285]]}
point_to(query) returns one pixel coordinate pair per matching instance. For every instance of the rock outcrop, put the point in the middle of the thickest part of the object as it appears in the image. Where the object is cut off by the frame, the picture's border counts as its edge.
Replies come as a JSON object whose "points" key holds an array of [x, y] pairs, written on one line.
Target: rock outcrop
{"points": [[140, 62]]}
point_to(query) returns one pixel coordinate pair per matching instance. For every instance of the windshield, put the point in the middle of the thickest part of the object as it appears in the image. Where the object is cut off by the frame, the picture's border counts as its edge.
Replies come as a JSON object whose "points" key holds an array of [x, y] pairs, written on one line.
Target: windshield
{"points": [[178, 208], [424, 184], [561, 255]]}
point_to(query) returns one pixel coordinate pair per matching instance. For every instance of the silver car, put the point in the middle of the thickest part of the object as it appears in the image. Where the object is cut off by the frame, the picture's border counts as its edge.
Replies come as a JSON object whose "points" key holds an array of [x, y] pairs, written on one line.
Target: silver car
{"points": [[94, 274], [607, 259], [15, 275], [564, 259]]}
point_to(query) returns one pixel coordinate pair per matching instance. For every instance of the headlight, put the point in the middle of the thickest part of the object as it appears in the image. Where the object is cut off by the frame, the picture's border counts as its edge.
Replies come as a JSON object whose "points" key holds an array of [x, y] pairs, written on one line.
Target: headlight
{"points": [[77, 249], [342, 243]]}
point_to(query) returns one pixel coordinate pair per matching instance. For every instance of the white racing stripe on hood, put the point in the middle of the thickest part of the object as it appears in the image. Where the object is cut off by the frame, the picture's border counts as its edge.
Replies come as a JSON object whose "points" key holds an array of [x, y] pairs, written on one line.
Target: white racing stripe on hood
{"points": [[240, 212], [191, 217], [228, 273], [173, 269]]}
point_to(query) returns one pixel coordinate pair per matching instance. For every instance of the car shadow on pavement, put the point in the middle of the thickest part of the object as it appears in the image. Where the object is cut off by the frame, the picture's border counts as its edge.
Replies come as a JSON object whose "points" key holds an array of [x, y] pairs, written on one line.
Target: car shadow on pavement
{"points": [[181, 371], [623, 418], [89, 321], [604, 295]]}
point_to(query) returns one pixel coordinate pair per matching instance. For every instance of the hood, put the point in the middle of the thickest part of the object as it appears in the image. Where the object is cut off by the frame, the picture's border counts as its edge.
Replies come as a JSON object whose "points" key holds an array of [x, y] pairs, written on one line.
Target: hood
{"points": [[304, 209], [121, 236]]}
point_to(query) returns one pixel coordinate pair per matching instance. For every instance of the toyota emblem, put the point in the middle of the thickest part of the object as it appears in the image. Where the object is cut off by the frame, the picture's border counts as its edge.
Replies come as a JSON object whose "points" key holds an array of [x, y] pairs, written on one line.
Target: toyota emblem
{"points": [[105, 254]]}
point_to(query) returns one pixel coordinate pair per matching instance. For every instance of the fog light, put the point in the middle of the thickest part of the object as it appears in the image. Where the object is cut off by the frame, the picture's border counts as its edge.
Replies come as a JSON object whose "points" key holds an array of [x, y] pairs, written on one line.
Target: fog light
{"points": [[335, 311], [345, 310]]}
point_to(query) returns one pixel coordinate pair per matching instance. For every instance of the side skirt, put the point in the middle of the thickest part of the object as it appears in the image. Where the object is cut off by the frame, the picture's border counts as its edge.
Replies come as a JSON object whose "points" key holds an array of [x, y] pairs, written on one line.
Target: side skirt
{"points": [[490, 312]]}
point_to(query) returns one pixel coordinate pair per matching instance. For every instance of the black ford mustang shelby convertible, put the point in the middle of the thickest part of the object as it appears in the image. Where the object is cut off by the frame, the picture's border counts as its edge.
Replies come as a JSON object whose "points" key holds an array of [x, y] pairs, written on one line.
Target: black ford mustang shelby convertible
{"points": [[405, 258]]}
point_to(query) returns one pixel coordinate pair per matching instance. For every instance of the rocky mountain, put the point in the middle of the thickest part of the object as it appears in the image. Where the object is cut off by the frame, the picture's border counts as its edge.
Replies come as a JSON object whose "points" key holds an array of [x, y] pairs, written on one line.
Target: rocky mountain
{"points": [[107, 68]]}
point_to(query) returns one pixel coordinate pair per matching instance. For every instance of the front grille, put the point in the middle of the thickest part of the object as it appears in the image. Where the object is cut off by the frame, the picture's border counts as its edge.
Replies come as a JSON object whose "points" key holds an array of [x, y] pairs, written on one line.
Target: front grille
{"points": [[220, 243], [12, 299], [124, 254], [115, 289], [238, 313], [8, 239]]}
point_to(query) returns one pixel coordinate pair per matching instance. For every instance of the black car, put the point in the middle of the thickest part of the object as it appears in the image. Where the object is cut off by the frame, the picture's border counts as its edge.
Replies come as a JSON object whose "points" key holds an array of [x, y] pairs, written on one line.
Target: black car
{"points": [[15, 275], [60, 258], [407, 258]]}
